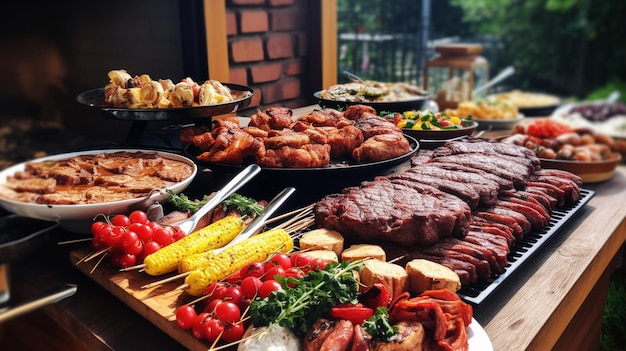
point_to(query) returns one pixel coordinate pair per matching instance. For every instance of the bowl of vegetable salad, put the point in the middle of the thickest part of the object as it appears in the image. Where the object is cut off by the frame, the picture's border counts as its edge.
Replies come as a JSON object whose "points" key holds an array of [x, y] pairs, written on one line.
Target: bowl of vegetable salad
{"points": [[429, 125]]}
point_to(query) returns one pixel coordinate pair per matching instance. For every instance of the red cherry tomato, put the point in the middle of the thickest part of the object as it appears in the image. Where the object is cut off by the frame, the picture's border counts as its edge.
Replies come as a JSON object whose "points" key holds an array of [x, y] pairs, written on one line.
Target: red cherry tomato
{"points": [[130, 243], [250, 286], [120, 220], [112, 237], [185, 317], [268, 287], [274, 271], [318, 264], [217, 290], [213, 328], [254, 269], [150, 247], [234, 295], [144, 231], [197, 328], [281, 259], [300, 259], [138, 216], [163, 236], [227, 312], [233, 332], [210, 307], [127, 260]]}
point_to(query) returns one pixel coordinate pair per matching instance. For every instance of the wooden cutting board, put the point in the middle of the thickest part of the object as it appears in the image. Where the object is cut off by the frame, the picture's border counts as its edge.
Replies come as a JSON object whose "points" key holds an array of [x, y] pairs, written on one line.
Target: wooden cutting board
{"points": [[157, 304]]}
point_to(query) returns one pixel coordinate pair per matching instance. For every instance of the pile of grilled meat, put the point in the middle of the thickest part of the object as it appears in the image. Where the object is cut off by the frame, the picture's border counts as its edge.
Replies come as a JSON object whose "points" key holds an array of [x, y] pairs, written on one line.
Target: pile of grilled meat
{"points": [[464, 205]]}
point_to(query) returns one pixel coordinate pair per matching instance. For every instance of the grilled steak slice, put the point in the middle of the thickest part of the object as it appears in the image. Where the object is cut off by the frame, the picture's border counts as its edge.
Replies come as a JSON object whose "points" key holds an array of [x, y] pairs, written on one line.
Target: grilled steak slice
{"points": [[570, 188], [523, 222], [476, 250], [510, 151], [493, 228], [463, 191], [503, 219], [510, 170], [538, 198], [535, 218], [561, 174], [483, 270], [486, 189], [382, 210], [549, 189]]}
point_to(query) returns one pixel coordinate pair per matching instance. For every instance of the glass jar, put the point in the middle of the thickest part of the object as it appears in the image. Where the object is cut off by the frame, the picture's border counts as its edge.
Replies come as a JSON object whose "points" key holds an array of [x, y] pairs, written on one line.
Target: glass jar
{"points": [[453, 73]]}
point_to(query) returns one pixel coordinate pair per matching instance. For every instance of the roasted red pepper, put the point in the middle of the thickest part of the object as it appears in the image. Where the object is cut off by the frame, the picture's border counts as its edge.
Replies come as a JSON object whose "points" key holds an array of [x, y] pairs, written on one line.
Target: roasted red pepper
{"points": [[376, 296], [355, 313]]}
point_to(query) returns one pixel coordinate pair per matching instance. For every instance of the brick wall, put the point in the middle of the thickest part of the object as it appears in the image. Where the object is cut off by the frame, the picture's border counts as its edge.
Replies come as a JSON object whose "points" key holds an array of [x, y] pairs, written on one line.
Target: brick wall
{"points": [[267, 44]]}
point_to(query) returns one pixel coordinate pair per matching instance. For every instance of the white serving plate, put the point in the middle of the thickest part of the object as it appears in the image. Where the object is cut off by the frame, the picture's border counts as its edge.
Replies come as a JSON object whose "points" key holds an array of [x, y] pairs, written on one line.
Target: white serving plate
{"points": [[477, 338], [78, 218], [614, 126]]}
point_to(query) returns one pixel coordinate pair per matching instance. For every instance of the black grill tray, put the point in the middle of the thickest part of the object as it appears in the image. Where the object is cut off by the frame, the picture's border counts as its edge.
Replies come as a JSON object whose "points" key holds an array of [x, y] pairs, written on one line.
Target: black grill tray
{"points": [[524, 249]]}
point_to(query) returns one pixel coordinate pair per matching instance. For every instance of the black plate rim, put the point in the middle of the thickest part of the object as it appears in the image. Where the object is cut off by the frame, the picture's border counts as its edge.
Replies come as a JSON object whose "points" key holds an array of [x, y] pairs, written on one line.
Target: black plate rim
{"points": [[86, 98], [378, 105]]}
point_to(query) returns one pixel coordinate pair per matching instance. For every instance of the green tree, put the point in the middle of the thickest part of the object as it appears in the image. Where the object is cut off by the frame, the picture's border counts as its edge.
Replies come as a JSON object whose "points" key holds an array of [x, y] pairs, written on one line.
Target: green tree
{"points": [[570, 47]]}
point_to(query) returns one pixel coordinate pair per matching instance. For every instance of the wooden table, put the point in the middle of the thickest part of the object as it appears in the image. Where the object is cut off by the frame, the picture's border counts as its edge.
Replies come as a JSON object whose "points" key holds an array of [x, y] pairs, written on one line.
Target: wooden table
{"points": [[554, 303]]}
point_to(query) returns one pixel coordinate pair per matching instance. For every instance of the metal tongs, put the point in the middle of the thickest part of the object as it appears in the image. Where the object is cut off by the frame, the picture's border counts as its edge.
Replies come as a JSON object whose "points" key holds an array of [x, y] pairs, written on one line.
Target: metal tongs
{"points": [[260, 220], [189, 225]]}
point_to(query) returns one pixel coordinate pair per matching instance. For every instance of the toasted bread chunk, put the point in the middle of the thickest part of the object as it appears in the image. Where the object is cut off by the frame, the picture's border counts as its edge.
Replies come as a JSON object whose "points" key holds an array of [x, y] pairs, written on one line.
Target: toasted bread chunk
{"points": [[392, 275], [322, 238], [363, 251], [427, 275], [328, 255]]}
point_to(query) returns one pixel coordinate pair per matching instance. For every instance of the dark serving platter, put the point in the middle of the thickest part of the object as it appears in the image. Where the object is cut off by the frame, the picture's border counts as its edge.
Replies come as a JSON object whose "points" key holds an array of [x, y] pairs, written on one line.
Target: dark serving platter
{"points": [[524, 249], [311, 183], [95, 98], [396, 106]]}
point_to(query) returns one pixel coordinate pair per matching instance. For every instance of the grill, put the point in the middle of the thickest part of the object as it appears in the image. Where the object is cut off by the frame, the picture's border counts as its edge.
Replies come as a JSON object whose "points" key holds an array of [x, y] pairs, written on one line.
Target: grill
{"points": [[524, 249]]}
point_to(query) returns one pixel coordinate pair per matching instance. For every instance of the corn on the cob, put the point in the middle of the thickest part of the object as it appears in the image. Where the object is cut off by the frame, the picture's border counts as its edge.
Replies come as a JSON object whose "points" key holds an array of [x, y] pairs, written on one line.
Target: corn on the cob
{"points": [[213, 236], [196, 261], [254, 249]]}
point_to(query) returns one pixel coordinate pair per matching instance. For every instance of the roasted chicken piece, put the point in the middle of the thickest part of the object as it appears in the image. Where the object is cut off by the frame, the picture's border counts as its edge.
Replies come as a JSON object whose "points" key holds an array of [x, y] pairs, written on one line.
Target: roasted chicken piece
{"points": [[355, 112], [276, 118], [286, 138], [381, 147], [307, 156], [372, 125], [232, 146], [326, 117], [343, 140]]}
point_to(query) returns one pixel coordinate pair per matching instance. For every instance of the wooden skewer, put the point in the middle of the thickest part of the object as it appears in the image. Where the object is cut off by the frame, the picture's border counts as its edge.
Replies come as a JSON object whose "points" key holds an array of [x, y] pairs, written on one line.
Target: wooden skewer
{"points": [[288, 214], [133, 268], [73, 241], [163, 281], [97, 263], [97, 253]]}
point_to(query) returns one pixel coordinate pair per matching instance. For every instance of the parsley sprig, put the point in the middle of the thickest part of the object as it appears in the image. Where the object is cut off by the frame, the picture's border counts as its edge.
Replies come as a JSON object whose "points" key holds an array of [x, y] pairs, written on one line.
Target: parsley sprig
{"points": [[242, 204], [310, 298]]}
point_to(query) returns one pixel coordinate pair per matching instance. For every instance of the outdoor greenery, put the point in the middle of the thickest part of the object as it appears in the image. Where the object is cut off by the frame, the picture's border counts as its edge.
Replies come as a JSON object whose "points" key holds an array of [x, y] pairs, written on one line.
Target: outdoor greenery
{"points": [[569, 47]]}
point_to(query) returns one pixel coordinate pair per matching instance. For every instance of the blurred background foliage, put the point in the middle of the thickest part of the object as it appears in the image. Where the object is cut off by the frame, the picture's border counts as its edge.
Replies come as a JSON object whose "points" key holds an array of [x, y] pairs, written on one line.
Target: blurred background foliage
{"points": [[572, 48]]}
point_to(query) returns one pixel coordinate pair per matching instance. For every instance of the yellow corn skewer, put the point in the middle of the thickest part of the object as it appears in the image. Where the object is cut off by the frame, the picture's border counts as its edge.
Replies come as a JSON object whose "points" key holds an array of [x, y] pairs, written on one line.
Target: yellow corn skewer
{"points": [[196, 261], [213, 236], [254, 249]]}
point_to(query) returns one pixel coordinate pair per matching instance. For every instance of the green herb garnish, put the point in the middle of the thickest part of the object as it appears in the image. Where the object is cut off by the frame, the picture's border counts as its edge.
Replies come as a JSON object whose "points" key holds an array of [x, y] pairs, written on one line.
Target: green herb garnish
{"points": [[378, 325], [244, 205], [310, 298]]}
